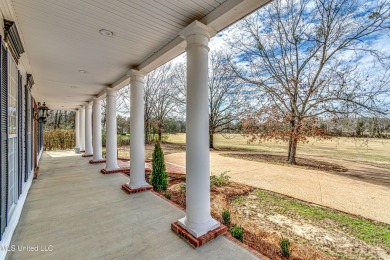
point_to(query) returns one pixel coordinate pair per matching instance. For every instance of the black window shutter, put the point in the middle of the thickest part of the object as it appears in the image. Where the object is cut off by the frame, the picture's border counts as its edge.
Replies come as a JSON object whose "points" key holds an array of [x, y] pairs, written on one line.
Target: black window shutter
{"points": [[20, 135], [3, 139], [26, 142], [32, 141]]}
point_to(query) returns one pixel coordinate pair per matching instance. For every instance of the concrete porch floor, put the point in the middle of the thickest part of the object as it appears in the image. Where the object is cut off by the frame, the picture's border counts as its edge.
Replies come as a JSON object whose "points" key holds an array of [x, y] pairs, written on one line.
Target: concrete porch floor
{"points": [[80, 213]]}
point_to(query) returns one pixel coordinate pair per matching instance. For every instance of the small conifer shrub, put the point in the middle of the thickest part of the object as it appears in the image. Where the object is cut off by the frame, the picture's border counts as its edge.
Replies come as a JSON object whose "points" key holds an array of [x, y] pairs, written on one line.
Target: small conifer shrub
{"points": [[226, 217], [183, 187], [159, 178], [237, 232], [168, 195], [285, 247]]}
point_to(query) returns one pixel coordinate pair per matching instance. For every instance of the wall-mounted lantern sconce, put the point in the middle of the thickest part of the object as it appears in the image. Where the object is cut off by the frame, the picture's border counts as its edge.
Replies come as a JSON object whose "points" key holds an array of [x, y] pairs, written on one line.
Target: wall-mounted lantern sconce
{"points": [[42, 111]]}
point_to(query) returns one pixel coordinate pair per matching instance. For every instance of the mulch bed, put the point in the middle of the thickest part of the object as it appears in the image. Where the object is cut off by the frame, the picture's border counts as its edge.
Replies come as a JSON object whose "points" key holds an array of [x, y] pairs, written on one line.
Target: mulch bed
{"points": [[265, 243], [282, 160]]}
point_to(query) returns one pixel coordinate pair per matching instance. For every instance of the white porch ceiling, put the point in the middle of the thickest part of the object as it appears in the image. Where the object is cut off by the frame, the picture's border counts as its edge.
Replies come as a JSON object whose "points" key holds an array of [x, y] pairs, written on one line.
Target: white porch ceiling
{"points": [[62, 37]]}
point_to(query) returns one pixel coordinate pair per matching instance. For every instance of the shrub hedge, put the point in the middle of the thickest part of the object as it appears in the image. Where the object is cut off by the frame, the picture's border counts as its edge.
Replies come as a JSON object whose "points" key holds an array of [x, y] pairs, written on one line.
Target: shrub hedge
{"points": [[59, 140]]}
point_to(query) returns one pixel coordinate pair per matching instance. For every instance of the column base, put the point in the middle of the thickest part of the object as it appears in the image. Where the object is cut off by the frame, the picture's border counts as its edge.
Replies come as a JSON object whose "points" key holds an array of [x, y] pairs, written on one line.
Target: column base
{"points": [[104, 171], [200, 230], [97, 161], [198, 241], [87, 155], [130, 190]]}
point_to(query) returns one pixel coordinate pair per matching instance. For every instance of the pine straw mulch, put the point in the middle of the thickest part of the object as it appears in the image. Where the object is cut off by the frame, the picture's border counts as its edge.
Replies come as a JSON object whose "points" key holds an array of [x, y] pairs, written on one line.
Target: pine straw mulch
{"points": [[282, 160], [265, 242]]}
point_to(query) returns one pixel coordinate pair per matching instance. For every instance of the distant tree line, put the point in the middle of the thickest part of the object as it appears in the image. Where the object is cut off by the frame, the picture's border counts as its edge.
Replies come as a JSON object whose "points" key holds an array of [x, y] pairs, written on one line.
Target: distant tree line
{"points": [[372, 127], [60, 119]]}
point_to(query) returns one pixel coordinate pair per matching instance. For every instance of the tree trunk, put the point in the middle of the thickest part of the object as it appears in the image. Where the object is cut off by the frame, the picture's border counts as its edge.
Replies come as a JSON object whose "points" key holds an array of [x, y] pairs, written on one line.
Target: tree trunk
{"points": [[146, 132], [289, 147], [55, 120], [211, 140], [294, 142], [66, 120], [159, 125], [59, 120], [293, 151], [290, 141], [104, 121]]}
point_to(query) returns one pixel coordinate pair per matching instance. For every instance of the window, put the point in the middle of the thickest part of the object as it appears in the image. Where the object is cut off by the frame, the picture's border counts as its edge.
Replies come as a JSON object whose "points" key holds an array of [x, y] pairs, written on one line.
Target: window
{"points": [[12, 135]]}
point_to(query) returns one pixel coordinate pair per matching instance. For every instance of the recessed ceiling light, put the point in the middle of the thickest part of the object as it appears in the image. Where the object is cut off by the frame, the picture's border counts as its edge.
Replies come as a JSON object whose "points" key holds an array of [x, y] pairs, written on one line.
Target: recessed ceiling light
{"points": [[105, 32], [83, 71]]}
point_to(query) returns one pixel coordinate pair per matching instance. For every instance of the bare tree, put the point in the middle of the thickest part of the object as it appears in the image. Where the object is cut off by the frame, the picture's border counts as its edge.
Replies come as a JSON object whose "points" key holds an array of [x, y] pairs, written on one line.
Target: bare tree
{"points": [[310, 58], [152, 81], [164, 97], [122, 104], [226, 96]]}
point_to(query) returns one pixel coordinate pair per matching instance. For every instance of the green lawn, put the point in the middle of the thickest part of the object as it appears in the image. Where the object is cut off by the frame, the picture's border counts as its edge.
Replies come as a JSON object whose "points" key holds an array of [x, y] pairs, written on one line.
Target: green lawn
{"points": [[366, 230], [371, 150]]}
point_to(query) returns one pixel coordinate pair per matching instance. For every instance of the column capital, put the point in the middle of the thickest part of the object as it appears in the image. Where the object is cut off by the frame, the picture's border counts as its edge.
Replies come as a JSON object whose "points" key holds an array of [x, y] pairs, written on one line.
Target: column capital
{"points": [[136, 75], [110, 92], [197, 28]]}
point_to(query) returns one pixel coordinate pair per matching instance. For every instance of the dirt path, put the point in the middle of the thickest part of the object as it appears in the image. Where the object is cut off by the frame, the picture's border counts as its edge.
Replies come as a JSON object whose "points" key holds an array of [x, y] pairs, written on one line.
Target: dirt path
{"points": [[361, 171], [356, 170], [327, 189]]}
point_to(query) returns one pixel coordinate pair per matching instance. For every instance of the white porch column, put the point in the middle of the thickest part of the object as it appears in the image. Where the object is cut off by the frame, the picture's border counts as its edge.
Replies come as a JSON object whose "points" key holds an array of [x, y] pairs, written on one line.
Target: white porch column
{"points": [[88, 129], [82, 128], [77, 128], [111, 142], [198, 220], [137, 147], [97, 130]]}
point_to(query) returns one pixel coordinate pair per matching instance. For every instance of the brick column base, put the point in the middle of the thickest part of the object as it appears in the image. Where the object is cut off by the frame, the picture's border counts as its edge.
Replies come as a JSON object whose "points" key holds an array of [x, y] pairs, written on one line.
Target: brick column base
{"points": [[126, 188], [96, 162], [124, 170], [200, 241]]}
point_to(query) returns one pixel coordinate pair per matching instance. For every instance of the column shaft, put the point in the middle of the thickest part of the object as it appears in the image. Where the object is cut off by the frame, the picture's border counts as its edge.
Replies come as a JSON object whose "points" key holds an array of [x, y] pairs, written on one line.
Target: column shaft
{"points": [[82, 128], [77, 128], [88, 129], [111, 135], [137, 147], [97, 130], [198, 220]]}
